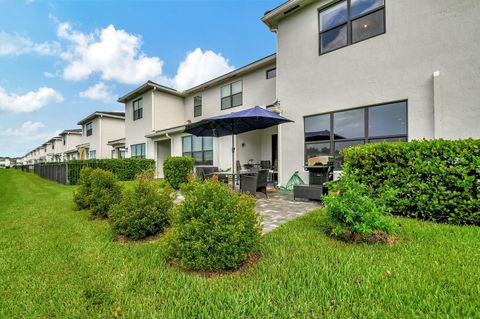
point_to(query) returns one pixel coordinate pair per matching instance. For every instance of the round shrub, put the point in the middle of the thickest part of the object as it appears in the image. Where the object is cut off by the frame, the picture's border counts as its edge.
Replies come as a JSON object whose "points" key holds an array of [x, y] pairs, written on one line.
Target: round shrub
{"points": [[178, 170], [213, 228], [352, 213], [143, 211], [105, 191], [81, 196]]}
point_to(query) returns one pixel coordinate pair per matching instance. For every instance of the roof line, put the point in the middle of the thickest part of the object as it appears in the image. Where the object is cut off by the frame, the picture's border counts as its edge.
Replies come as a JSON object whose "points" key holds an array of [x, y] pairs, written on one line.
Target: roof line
{"points": [[149, 83]]}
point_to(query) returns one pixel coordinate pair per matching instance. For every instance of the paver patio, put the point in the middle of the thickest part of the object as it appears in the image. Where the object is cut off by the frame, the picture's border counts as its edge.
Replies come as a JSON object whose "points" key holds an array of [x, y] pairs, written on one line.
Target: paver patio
{"points": [[280, 208]]}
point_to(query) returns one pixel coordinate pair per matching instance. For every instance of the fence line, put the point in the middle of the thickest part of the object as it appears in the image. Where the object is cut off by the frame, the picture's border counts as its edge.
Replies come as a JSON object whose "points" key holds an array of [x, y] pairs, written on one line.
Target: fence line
{"points": [[52, 172]]}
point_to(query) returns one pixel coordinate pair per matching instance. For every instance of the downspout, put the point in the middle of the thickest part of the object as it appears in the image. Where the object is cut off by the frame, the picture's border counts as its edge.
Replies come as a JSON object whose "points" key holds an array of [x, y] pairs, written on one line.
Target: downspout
{"points": [[100, 135], [153, 108], [171, 142]]}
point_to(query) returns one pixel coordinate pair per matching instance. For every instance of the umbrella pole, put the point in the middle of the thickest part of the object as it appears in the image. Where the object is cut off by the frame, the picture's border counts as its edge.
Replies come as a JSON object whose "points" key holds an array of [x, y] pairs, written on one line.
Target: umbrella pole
{"points": [[233, 157]]}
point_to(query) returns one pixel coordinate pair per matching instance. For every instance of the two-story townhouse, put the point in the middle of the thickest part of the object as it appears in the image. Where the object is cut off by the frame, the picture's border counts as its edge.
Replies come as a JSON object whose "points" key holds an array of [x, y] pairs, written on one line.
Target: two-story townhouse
{"points": [[362, 71], [70, 139], [42, 153], [53, 149], [4, 162], [97, 130], [164, 112], [148, 108]]}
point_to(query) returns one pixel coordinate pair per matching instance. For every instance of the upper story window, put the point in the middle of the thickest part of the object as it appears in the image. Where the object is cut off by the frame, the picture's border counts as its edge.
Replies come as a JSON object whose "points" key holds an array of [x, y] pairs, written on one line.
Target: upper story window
{"points": [[197, 106], [350, 21], [232, 95], [272, 73], [88, 129], [327, 134], [53, 145], [64, 140], [138, 109], [138, 150]]}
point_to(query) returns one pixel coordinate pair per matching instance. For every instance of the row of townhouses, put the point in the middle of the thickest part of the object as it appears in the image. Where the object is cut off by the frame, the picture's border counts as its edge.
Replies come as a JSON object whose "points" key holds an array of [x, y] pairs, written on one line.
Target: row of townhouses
{"points": [[346, 72]]}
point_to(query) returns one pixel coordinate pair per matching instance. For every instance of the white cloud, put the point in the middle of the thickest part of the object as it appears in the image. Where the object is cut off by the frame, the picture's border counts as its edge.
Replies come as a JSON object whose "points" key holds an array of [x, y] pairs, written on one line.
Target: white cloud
{"points": [[99, 92], [26, 129], [48, 75], [30, 101], [18, 141], [18, 44], [199, 67], [114, 54]]}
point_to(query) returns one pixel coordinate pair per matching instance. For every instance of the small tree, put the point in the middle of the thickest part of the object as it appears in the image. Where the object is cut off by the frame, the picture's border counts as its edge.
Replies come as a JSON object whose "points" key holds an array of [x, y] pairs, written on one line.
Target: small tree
{"points": [[178, 170]]}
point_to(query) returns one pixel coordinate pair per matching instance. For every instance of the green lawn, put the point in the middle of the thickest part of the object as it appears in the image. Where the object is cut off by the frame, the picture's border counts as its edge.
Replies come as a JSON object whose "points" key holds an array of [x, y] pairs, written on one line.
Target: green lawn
{"points": [[56, 263]]}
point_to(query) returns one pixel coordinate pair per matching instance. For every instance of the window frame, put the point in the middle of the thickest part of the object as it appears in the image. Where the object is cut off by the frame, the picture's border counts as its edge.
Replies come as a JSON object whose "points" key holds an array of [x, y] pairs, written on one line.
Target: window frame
{"points": [[348, 24], [270, 70], [366, 139], [197, 109], [143, 148], [137, 113], [90, 152], [231, 96], [203, 151], [89, 131]]}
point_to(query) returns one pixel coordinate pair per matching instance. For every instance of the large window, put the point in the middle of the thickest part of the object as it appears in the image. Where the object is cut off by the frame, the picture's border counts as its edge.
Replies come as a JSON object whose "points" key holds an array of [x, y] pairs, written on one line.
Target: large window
{"points": [[231, 95], [197, 106], [137, 151], [350, 21], [92, 154], [138, 109], [200, 148], [88, 129], [328, 134]]}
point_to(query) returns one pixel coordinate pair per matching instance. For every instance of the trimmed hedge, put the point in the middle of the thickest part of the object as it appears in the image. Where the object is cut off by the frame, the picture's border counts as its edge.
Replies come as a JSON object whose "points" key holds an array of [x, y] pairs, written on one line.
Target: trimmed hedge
{"points": [[434, 180], [177, 170], [126, 169]]}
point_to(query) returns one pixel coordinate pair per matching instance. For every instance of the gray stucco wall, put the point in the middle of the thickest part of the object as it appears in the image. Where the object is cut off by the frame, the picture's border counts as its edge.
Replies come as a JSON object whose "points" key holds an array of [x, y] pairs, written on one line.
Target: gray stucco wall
{"points": [[421, 37]]}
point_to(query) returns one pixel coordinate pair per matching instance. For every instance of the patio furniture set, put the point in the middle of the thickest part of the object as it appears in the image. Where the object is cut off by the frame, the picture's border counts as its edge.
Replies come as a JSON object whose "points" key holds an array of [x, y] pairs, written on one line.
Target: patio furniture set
{"points": [[251, 178]]}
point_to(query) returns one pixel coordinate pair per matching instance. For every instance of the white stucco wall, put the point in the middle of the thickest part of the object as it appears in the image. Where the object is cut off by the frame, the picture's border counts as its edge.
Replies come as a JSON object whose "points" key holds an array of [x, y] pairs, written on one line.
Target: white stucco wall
{"points": [[257, 90], [104, 129], [135, 131], [421, 37]]}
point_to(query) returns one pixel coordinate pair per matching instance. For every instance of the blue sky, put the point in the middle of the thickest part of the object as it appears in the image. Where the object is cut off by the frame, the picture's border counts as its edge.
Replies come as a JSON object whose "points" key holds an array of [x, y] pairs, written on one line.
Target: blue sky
{"points": [[60, 61]]}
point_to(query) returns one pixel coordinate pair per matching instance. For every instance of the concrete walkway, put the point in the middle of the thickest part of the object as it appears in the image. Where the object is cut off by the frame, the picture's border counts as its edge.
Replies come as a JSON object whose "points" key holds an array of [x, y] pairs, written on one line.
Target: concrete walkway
{"points": [[280, 208]]}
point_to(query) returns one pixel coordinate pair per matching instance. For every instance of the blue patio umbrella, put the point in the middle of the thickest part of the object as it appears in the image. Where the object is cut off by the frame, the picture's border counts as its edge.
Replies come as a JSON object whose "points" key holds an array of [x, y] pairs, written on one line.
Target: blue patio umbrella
{"points": [[255, 118]]}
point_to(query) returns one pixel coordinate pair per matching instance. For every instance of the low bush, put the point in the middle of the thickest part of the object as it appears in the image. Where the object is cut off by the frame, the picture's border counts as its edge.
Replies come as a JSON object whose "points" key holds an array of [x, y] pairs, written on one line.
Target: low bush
{"points": [[352, 213], [126, 169], [105, 191], [213, 228], [143, 211], [81, 196], [434, 180], [178, 170]]}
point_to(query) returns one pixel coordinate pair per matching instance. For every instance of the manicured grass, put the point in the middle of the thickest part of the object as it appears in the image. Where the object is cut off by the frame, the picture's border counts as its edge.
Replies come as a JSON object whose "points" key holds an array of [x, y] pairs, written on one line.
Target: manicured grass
{"points": [[55, 262]]}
